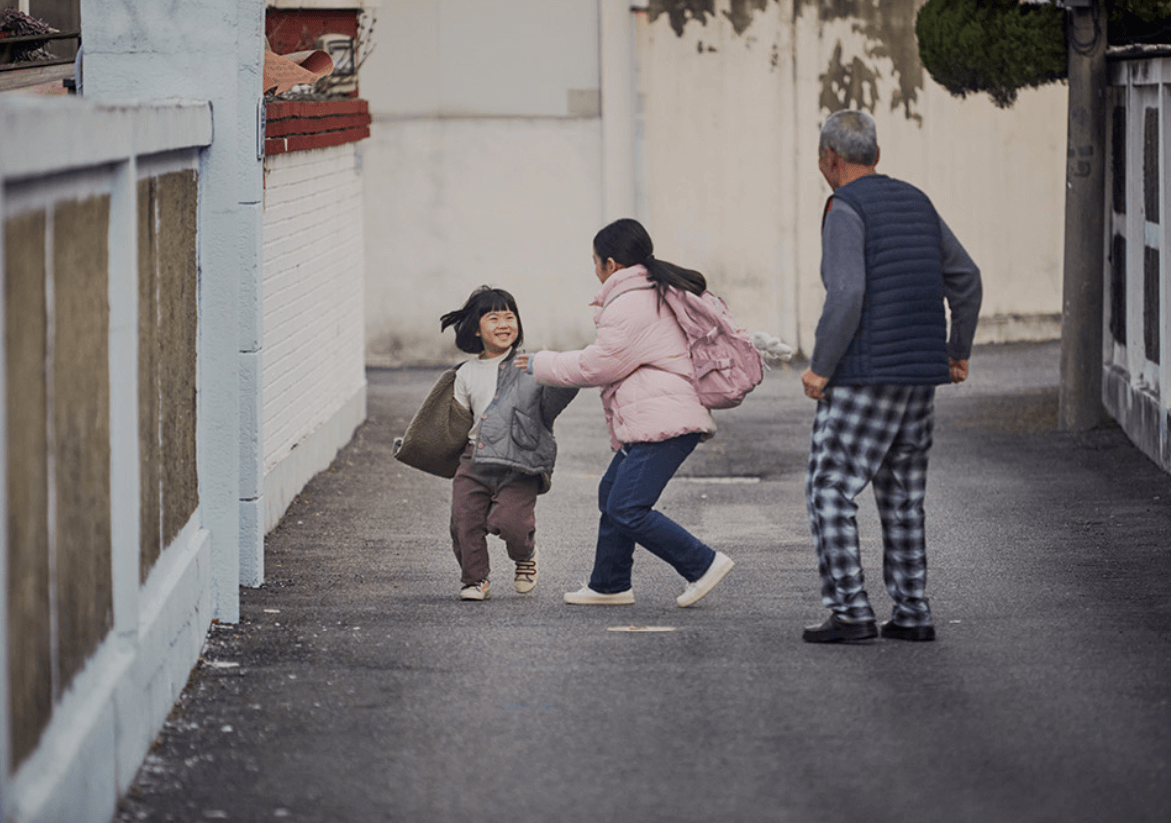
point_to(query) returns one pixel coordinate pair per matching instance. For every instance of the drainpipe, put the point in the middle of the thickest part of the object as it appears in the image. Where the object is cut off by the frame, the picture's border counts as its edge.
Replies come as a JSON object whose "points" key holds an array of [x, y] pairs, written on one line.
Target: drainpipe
{"points": [[1080, 398]]}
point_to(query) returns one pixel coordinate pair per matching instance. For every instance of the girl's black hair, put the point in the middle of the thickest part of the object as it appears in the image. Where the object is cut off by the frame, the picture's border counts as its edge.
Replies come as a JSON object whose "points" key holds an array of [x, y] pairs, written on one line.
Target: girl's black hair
{"points": [[467, 319], [627, 242]]}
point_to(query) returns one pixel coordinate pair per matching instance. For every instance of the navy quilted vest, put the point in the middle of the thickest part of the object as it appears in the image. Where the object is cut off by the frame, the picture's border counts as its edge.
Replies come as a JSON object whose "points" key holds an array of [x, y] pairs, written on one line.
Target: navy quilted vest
{"points": [[902, 336]]}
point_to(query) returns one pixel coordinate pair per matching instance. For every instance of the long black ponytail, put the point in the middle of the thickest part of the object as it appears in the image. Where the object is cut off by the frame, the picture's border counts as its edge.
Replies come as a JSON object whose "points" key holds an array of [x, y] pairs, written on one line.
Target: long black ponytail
{"points": [[628, 244]]}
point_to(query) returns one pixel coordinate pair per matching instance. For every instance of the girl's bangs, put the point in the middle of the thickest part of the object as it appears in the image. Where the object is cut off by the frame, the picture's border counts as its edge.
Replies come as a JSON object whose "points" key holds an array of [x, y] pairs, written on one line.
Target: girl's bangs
{"points": [[494, 301]]}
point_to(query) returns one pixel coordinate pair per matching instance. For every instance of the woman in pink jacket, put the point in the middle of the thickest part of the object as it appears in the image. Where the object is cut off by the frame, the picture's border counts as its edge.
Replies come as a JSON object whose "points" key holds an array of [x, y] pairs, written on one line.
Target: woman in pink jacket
{"points": [[640, 360]]}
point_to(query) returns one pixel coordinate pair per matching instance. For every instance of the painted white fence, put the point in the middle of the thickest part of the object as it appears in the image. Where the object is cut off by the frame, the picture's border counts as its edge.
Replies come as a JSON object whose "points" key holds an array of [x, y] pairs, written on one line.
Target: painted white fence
{"points": [[1136, 376]]}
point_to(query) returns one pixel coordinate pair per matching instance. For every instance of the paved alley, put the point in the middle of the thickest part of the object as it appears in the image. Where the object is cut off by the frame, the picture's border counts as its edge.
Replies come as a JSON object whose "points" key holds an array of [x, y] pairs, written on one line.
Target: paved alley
{"points": [[359, 687]]}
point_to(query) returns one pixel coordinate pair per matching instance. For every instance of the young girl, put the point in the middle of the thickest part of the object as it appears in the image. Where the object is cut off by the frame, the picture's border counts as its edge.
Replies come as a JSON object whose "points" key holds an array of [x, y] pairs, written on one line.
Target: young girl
{"points": [[641, 361], [489, 427]]}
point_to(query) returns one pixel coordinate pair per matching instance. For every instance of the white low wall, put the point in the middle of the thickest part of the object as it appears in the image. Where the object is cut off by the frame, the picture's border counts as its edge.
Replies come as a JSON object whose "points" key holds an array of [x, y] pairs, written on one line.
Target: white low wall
{"points": [[314, 380], [102, 725]]}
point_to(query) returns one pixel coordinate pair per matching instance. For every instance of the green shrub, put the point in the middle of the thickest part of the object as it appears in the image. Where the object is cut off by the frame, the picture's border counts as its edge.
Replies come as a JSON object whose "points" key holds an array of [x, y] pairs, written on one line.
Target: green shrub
{"points": [[1145, 9], [1139, 22], [993, 46]]}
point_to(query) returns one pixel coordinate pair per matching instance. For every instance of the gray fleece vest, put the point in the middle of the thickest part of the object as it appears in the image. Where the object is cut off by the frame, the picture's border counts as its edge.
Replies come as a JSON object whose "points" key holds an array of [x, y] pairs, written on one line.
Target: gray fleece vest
{"points": [[902, 335]]}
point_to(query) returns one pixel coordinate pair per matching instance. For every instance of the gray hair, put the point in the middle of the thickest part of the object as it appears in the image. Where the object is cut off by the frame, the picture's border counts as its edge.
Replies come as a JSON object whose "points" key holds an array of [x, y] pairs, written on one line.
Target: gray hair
{"points": [[850, 133]]}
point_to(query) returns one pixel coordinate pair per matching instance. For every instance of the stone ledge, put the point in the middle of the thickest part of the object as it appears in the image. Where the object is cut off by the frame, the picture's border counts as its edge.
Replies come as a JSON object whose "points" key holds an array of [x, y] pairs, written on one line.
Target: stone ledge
{"points": [[298, 125]]}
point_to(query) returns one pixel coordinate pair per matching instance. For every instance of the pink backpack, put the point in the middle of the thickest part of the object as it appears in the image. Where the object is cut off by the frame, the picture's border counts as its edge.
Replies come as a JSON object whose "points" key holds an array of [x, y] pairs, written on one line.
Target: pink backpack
{"points": [[727, 365]]}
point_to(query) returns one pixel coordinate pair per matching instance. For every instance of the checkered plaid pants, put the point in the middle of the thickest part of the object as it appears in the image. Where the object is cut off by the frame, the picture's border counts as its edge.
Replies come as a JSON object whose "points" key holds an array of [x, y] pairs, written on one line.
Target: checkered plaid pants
{"points": [[877, 434]]}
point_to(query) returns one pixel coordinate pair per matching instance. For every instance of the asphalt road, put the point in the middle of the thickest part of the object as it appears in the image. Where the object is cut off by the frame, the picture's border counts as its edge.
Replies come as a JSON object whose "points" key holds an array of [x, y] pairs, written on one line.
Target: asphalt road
{"points": [[359, 687]]}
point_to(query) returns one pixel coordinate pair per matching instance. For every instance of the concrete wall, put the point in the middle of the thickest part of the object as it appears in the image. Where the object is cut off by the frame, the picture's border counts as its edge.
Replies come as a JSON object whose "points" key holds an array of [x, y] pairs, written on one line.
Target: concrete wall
{"points": [[1136, 377], [134, 421], [59, 568], [168, 333], [212, 50], [478, 174], [314, 374], [484, 167], [733, 105], [106, 568], [144, 527]]}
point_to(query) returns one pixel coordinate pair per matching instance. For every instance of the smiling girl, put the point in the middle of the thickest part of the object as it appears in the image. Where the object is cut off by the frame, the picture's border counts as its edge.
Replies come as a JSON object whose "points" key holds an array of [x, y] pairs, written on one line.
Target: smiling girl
{"points": [[490, 428]]}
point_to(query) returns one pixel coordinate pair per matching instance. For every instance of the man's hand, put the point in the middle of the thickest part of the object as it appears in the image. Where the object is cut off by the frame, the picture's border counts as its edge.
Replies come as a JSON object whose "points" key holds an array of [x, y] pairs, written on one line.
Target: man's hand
{"points": [[958, 369], [814, 384], [521, 361]]}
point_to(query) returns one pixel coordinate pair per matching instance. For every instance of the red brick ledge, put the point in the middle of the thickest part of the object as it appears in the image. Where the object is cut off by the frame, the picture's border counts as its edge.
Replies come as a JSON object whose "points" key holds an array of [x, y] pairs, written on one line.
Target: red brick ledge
{"points": [[300, 125]]}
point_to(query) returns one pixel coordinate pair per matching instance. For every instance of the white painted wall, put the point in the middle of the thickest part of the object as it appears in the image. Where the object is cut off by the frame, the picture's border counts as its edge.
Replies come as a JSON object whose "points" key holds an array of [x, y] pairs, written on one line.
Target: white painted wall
{"points": [[208, 54], [722, 154], [734, 187], [468, 58], [137, 50], [475, 175], [59, 149], [484, 166], [314, 347], [206, 62], [455, 204]]}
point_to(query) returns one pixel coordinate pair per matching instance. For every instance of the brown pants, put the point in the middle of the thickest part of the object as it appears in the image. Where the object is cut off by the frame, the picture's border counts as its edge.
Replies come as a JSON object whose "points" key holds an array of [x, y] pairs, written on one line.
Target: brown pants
{"points": [[491, 500]]}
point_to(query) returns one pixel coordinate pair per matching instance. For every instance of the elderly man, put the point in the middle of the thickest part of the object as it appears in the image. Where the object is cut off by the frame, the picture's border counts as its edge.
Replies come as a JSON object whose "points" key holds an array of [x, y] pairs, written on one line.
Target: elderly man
{"points": [[889, 263]]}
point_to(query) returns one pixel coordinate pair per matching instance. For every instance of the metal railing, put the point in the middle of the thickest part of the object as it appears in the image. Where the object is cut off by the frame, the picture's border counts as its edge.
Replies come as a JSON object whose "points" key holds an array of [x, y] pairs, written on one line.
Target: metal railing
{"points": [[20, 73]]}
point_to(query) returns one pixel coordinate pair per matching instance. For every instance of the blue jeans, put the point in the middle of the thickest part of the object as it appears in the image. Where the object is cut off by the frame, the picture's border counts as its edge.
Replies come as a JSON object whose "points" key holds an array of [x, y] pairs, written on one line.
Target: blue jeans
{"points": [[629, 489]]}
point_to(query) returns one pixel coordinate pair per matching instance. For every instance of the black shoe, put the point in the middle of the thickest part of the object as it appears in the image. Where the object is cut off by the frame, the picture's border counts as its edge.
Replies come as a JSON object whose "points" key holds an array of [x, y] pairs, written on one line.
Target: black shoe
{"points": [[894, 631], [837, 630]]}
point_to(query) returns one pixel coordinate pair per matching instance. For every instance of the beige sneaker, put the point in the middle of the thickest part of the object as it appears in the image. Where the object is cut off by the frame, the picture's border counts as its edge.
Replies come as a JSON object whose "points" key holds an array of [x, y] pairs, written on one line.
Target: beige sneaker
{"points": [[476, 591], [585, 596], [721, 565], [526, 574]]}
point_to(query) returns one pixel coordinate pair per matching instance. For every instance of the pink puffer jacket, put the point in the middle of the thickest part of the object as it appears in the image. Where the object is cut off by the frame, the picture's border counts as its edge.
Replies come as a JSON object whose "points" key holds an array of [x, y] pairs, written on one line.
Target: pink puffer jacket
{"points": [[639, 359]]}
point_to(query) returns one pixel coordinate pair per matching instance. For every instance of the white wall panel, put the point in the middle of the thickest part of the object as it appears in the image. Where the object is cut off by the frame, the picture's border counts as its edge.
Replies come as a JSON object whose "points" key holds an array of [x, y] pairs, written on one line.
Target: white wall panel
{"points": [[732, 127], [314, 367], [455, 204], [469, 58], [465, 184]]}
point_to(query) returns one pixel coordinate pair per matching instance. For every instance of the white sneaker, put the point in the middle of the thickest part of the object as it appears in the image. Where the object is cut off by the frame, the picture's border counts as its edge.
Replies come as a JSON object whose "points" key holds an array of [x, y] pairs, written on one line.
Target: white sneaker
{"points": [[714, 574], [476, 591], [585, 596], [526, 574]]}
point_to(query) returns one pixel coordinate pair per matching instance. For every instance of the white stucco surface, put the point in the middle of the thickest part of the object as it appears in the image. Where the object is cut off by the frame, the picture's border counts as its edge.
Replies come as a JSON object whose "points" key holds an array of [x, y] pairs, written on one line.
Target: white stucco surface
{"points": [[722, 138], [453, 204], [104, 719], [732, 140], [312, 368], [468, 58]]}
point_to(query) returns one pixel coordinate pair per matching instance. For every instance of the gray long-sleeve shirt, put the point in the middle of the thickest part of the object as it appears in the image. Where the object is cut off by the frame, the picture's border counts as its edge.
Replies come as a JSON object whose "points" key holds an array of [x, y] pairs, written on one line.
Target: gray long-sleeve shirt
{"points": [[843, 272]]}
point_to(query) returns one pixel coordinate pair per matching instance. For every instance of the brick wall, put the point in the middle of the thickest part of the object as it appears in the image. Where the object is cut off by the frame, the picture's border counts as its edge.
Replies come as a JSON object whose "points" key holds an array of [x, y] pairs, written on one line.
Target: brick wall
{"points": [[302, 125], [314, 370]]}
